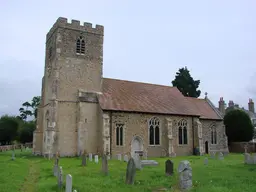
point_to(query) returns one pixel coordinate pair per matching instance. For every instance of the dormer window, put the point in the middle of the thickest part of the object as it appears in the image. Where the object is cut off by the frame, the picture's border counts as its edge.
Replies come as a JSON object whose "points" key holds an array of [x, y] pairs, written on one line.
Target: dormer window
{"points": [[80, 46]]}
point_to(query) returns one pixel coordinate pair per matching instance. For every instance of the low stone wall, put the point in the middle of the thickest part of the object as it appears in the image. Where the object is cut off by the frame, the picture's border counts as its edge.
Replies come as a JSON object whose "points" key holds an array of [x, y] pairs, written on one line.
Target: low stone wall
{"points": [[239, 147], [17, 146]]}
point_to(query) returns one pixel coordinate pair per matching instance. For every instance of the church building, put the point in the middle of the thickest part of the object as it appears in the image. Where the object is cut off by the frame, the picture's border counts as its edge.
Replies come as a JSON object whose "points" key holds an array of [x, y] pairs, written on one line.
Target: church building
{"points": [[81, 110]]}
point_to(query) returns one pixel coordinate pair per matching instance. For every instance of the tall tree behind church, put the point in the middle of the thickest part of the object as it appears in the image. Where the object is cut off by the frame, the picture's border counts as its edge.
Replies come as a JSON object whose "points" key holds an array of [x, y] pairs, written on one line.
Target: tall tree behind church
{"points": [[186, 84]]}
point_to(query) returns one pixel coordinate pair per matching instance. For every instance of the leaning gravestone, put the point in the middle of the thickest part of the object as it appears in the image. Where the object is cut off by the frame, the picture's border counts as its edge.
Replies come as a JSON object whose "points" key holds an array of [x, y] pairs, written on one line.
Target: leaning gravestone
{"points": [[185, 176], [68, 183], [137, 161], [104, 164], [206, 161], [60, 178], [84, 158], [168, 167], [126, 159], [96, 158], [130, 172], [90, 156]]}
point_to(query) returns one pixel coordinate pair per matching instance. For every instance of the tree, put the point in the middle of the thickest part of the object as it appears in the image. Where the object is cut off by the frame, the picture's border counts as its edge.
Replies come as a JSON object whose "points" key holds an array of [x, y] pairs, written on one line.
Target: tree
{"points": [[8, 129], [186, 84], [30, 108], [26, 132], [239, 126]]}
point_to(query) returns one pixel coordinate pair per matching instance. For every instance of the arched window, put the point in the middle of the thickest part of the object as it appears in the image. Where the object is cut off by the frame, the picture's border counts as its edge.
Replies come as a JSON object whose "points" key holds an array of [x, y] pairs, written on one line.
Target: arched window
{"points": [[119, 134], [214, 135], [80, 45], [183, 132], [154, 131]]}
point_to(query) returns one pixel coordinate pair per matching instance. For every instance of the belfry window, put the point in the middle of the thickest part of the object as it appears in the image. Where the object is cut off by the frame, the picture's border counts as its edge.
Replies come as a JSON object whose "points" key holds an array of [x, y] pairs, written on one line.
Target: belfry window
{"points": [[154, 132], [183, 132], [80, 46]]}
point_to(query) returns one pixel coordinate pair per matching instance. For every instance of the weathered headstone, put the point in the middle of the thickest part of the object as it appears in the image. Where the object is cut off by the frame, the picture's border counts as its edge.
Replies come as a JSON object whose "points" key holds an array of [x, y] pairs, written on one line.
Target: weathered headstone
{"points": [[213, 155], [119, 157], [221, 157], [254, 159], [206, 161], [60, 178], [84, 158], [108, 157], [130, 172], [105, 164], [137, 161], [90, 156], [247, 158], [168, 167], [185, 176], [145, 154], [96, 158], [68, 183], [13, 155], [126, 159]]}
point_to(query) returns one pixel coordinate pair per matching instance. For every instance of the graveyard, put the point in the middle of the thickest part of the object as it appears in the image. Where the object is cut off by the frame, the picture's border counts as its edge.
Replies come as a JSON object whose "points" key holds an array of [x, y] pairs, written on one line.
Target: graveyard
{"points": [[29, 173]]}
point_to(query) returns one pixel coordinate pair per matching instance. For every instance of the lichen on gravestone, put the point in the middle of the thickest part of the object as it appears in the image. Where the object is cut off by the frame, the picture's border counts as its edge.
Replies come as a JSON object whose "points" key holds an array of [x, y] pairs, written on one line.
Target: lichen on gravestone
{"points": [[130, 172], [185, 175]]}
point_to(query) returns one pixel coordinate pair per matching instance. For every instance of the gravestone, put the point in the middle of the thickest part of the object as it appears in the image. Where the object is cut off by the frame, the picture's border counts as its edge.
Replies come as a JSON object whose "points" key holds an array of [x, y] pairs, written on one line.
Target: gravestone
{"points": [[75, 191], [119, 157], [137, 161], [254, 159], [13, 155], [221, 157], [60, 178], [90, 156], [126, 159], [96, 158], [206, 161], [168, 167], [68, 183], [105, 164], [130, 172], [185, 175], [145, 163], [247, 158], [145, 154], [84, 159], [213, 155], [108, 157]]}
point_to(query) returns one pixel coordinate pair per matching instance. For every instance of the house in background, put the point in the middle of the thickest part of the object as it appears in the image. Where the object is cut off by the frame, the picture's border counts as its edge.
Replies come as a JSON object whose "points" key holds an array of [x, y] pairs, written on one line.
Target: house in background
{"points": [[231, 106]]}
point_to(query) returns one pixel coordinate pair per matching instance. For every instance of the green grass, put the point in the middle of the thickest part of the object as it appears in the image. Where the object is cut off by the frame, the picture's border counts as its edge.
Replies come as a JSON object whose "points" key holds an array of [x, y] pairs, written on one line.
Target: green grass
{"points": [[28, 174]]}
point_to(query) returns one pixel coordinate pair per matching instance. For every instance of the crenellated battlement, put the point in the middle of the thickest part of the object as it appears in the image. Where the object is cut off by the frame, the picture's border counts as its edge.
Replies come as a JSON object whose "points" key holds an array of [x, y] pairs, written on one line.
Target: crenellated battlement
{"points": [[75, 25]]}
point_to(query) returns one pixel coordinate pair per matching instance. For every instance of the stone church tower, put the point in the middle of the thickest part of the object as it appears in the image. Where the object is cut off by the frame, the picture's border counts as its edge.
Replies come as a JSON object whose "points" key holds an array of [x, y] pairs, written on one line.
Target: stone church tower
{"points": [[69, 109]]}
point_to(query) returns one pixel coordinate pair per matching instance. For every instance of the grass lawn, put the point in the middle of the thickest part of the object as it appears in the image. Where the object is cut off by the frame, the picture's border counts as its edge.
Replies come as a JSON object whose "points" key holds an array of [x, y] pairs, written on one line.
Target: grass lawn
{"points": [[28, 174]]}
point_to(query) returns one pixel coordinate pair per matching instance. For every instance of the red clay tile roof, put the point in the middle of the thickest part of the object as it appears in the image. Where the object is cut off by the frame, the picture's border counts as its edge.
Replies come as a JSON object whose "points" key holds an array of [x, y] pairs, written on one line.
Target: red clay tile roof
{"points": [[121, 95], [204, 108]]}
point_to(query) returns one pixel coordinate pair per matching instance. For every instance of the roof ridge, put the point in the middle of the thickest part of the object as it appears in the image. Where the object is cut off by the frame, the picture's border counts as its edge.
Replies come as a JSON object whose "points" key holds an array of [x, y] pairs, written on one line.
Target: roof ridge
{"points": [[141, 82]]}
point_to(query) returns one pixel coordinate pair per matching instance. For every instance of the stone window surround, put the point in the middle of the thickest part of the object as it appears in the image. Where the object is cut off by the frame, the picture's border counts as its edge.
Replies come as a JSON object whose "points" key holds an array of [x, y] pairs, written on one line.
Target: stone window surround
{"points": [[160, 132], [124, 130], [119, 126], [80, 48], [213, 130], [187, 127]]}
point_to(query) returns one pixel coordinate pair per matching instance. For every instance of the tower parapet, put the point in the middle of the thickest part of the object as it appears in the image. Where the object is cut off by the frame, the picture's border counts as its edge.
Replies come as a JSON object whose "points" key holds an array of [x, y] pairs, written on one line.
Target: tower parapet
{"points": [[62, 22]]}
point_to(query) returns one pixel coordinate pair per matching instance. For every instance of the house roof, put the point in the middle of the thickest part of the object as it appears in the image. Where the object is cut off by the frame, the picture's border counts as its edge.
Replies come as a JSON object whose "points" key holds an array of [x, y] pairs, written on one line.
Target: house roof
{"points": [[129, 96]]}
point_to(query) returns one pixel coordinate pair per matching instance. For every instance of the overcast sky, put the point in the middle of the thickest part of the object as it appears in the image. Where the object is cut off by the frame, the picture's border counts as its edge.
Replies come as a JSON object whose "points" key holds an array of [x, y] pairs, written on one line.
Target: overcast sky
{"points": [[144, 40]]}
